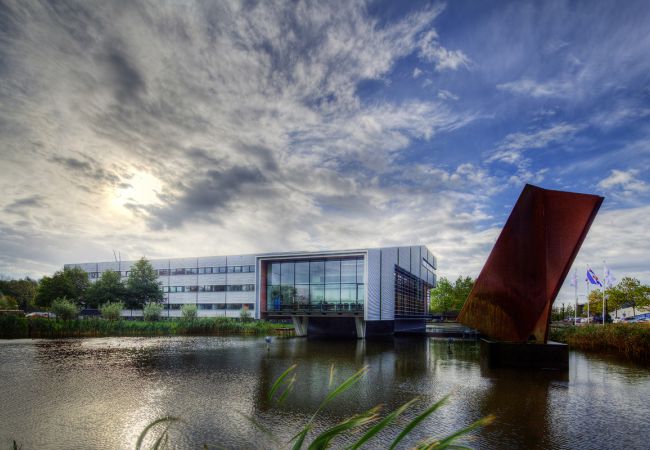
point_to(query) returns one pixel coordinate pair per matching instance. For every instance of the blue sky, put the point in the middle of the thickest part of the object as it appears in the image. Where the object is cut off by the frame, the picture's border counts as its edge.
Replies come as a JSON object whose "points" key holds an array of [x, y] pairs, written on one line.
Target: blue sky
{"points": [[199, 128]]}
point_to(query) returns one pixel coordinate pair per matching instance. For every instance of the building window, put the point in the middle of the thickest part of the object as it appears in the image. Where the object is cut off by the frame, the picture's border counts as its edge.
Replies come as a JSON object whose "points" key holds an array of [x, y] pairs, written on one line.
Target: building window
{"points": [[333, 272], [317, 272], [205, 306], [163, 272], [233, 306], [193, 288], [411, 295], [302, 273], [323, 285], [192, 271], [251, 269]]}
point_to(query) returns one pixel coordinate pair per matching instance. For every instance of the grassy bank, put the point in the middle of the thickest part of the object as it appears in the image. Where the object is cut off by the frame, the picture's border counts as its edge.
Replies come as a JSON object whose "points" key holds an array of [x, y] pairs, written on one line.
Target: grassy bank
{"points": [[629, 340], [14, 327]]}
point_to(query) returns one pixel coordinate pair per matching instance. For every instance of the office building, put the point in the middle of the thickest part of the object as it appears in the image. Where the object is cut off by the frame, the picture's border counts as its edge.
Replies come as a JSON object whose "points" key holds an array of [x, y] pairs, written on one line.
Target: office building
{"points": [[358, 292]]}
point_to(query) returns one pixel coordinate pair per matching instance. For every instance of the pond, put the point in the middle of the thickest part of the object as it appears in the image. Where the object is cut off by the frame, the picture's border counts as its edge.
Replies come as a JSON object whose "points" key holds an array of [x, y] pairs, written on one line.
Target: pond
{"points": [[101, 393]]}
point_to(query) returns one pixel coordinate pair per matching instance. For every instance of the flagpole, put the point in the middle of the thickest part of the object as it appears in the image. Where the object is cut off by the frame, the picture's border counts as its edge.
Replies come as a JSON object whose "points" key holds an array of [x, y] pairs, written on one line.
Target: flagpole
{"points": [[604, 286], [588, 290], [575, 287]]}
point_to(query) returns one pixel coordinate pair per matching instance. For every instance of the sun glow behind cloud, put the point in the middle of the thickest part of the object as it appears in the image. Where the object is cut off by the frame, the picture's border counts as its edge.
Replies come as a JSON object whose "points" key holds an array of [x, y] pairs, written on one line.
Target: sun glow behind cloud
{"points": [[142, 189]]}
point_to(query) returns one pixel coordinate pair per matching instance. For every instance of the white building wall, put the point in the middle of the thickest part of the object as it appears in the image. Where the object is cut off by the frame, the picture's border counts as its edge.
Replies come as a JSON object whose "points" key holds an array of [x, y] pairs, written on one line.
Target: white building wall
{"points": [[388, 263], [372, 307]]}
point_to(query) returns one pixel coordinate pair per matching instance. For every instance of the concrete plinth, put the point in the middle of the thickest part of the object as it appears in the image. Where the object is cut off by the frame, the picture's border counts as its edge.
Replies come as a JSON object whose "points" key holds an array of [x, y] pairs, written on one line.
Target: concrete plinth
{"points": [[552, 355]]}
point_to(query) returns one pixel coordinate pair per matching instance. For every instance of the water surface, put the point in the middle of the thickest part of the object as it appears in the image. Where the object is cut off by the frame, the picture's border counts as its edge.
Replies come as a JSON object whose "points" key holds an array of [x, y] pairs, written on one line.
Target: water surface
{"points": [[100, 393]]}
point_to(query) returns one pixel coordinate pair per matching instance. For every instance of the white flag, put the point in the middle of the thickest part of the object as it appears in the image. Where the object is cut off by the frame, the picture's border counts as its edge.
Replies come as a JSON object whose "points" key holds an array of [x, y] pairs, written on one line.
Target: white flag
{"points": [[608, 277]]}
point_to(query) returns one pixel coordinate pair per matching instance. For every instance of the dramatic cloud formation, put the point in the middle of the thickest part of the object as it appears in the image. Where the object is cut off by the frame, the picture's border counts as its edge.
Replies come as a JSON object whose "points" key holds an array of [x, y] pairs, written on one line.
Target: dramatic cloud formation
{"points": [[203, 128]]}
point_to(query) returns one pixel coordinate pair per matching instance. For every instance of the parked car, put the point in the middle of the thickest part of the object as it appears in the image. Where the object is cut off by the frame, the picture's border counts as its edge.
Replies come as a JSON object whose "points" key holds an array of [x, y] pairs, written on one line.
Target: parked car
{"points": [[45, 314]]}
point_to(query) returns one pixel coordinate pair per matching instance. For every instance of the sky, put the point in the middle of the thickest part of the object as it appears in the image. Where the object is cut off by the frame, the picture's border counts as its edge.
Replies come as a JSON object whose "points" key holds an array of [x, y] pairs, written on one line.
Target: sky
{"points": [[180, 129]]}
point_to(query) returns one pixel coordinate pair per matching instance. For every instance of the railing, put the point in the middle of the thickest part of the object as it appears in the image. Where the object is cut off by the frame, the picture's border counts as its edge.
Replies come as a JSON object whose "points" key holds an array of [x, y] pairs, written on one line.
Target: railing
{"points": [[298, 308]]}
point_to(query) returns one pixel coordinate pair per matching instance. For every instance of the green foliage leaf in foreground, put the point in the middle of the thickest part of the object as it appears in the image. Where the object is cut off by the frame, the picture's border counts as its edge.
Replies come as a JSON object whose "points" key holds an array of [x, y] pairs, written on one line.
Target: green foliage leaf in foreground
{"points": [[369, 422]]}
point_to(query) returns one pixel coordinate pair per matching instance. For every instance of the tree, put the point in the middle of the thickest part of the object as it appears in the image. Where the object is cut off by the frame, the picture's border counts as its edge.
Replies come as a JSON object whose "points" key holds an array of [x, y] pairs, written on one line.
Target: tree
{"points": [[142, 285], [566, 311], [70, 283], [112, 311], [23, 291], [7, 302], [151, 312], [189, 312], [630, 292], [450, 297], [65, 309], [109, 288]]}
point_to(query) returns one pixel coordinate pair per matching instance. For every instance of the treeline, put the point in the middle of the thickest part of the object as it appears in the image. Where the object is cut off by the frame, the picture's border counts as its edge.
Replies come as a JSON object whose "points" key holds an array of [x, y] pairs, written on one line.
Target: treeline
{"points": [[72, 287], [18, 294], [628, 293], [450, 296]]}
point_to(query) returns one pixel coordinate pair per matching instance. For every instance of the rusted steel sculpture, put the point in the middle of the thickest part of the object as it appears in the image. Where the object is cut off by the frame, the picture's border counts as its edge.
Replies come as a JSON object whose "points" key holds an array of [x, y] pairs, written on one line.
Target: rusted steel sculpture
{"points": [[512, 297]]}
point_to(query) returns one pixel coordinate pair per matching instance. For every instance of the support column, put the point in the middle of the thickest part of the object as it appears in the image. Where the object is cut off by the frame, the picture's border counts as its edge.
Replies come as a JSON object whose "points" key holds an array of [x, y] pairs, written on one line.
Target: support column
{"points": [[300, 325], [361, 327]]}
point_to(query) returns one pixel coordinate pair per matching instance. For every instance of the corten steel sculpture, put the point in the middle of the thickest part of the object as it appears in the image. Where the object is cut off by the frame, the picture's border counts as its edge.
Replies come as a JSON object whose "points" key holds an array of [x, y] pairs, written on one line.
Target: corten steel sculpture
{"points": [[512, 297]]}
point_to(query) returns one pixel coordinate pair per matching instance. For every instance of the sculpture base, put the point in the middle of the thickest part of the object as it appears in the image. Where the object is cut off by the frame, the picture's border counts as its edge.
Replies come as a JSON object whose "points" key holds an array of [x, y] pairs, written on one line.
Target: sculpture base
{"points": [[553, 355]]}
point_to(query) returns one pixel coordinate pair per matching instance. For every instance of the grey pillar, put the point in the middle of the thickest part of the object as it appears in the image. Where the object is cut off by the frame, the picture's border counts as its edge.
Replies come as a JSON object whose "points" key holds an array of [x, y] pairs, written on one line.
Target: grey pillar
{"points": [[361, 327], [300, 324]]}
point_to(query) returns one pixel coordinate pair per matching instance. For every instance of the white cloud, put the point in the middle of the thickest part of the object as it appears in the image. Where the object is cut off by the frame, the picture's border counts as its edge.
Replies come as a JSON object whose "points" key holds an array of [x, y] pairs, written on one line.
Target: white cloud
{"points": [[618, 237], [514, 145], [533, 88], [446, 95], [416, 73], [624, 181], [443, 59]]}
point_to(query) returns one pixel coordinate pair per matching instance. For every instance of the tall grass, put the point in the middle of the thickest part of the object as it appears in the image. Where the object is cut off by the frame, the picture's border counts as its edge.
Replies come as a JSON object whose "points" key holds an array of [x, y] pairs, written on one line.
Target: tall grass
{"points": [[14, 327], [630, 340], [363, 426]]}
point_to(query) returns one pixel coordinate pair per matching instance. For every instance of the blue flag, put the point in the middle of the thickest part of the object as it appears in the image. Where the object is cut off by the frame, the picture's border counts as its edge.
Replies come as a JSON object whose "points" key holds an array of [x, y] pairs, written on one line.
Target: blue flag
{"points": [[592, 278]]}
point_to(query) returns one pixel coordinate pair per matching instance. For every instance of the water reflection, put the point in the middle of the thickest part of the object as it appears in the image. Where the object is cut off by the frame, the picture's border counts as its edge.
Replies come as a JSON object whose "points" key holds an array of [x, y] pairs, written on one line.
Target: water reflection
{"points": [[100, 393]]}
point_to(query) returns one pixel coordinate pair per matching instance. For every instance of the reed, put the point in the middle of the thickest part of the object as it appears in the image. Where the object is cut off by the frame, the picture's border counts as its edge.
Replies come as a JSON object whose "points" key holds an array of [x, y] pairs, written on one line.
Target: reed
{"points": [[14, 327], [363, 426], [630, 340]]}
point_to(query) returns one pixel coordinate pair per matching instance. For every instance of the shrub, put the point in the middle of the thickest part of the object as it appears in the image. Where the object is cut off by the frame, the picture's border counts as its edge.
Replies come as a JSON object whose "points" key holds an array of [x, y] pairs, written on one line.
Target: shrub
{"points": [[152, 311], [13, 327], [245, 315], [8, 302], [189, 312], [112, 310], [65, 309]]}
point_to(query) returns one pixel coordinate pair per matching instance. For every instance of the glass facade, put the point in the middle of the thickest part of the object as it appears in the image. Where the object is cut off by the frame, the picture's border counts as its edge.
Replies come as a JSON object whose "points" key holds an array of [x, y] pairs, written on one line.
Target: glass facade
{"points": [[326, 285]]}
